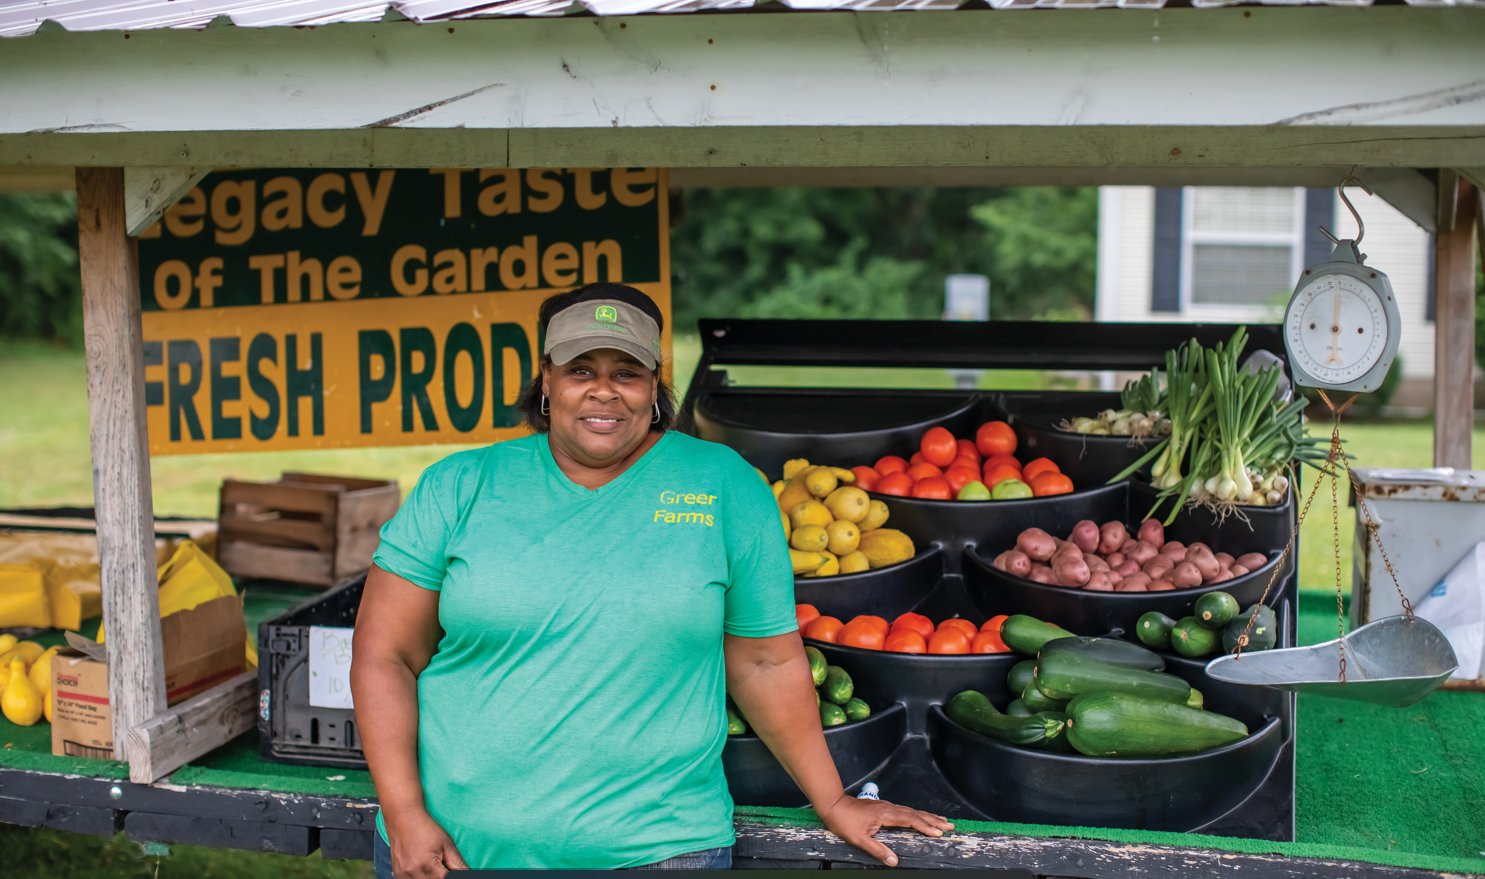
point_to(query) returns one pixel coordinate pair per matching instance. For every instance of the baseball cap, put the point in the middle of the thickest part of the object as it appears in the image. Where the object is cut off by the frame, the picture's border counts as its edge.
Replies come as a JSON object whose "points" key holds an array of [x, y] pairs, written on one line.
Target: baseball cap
{"points": [[603, 323]]}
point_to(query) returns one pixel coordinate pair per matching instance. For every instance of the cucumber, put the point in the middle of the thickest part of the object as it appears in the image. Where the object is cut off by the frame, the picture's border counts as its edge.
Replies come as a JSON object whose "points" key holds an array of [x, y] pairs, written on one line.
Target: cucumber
{"points": [[1025, 634], [1153, 630], [1265, 633], [1190, 638], [973, 711], [1018, 708], [1065, 675], [1110, 650], [831, 715], [856, 709], [837, 687], [1038, 701], [1216, 609], [1120, 725], [1020, 676], [1197, 700], [1057, 744], [817, 664], [735, 724]]}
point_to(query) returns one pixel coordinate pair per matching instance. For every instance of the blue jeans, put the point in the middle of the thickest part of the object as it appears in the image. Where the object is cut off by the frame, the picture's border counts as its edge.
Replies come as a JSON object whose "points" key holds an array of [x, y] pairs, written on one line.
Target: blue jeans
{"points": [[710, 859]]}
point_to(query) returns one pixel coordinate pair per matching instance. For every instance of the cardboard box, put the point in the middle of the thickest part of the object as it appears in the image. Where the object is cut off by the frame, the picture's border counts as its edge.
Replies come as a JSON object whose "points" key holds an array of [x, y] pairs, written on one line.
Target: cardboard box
{"points": [[203, 647]]}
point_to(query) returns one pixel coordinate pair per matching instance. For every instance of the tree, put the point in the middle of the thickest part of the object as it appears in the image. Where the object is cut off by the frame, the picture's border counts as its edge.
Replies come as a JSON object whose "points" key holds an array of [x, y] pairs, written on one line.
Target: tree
{"points": [[40, 289]]}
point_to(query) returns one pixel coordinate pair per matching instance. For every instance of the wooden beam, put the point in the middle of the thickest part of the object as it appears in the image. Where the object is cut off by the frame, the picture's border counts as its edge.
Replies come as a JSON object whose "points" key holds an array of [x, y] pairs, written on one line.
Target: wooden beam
{"points": [[149, 191], [183, 732], [1454, 330], [113, 339]]}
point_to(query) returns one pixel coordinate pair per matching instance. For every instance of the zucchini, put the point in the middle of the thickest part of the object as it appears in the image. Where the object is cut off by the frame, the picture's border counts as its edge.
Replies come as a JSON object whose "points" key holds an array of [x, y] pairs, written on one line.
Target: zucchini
{"points": [[1120, 725], [1192, 639], [1216, 609], [1110, 650], [974, 712], [1020, 676], [1197, 700], [831, 715], [1018, 708], [735, 724], [1065, 675], [1025, 634], [817, 664], [1153, 630], [856, 709], [1036, 700], [1265, 633], [837, 687]]}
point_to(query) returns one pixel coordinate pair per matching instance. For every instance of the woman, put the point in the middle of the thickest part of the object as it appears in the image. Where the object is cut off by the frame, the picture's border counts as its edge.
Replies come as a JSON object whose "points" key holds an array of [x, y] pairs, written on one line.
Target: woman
{"points": [[544, 641]]}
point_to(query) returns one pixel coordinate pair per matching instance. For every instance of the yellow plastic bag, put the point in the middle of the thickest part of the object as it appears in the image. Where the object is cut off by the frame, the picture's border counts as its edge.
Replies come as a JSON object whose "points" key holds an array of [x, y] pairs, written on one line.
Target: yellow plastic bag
{"points": [[192, 577], [74, 594], [23, 597]]}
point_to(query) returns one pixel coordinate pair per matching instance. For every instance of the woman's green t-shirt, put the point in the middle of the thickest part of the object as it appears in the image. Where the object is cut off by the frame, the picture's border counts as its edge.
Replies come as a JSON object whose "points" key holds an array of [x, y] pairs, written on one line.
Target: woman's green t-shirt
{"points": [[574, 714]]}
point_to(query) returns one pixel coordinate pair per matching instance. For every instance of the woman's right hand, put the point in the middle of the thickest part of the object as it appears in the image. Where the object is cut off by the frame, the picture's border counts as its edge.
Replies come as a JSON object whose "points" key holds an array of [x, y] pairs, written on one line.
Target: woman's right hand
{"points": [[421, 849]]}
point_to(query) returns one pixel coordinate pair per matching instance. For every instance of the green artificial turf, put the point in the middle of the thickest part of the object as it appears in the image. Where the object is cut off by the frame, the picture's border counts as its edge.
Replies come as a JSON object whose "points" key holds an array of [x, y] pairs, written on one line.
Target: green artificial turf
{"points": [[238, 765]]}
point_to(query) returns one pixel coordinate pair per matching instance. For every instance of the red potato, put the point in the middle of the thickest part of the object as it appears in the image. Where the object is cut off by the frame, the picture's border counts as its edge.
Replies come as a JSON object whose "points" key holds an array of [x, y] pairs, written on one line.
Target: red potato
{"points": [[1128, 586], [1204, 561], [1198, 545], [1252, 560], [1161, 586], [1142, 552], [1158, 566], [1111, 536], [1152, 532], [1185, 575], [1129, 544], [1222, 577], [1085, 535], [1238, 570], [1099, 582], [1037, 544], [1115, 559], [1141, 579], [1044, 575], [1114, 577], [1224, 559], [1071, 571], [1128, 568], [1174, 549], [1014, 561], [1095, 563]]}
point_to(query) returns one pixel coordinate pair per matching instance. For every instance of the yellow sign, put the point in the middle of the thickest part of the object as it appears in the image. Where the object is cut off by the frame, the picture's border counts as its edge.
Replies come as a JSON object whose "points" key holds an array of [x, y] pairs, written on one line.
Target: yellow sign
{"points": [[331, 309]]}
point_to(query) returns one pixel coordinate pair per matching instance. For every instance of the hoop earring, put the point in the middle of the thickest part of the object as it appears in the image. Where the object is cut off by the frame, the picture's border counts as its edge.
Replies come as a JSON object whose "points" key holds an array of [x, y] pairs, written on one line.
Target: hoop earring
{"points": [[545, 409], [656, 419]]}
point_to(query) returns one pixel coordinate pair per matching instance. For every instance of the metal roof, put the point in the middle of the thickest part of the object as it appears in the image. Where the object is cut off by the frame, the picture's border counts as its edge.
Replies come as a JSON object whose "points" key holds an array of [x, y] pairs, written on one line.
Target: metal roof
{"points": [[19, 19]]}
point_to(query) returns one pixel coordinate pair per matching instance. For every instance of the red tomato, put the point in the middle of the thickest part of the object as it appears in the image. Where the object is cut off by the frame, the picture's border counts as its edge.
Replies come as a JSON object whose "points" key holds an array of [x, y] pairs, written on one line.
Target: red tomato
{"points": [[1040, 465], [1050, 483], [988, 642], [916, 459], [995, 438], [861, 633], [899, 484], [964, 461], [806, 614], [823, 629], [998, 473], [951, 640], [959, 477], [913, 622], [939, 447], [923, 471], [966, 449], [890, 464], [933, 488], [1001, 459], [874, 621], [866, 478], [993, 624], [965, 626], [905, 641]]}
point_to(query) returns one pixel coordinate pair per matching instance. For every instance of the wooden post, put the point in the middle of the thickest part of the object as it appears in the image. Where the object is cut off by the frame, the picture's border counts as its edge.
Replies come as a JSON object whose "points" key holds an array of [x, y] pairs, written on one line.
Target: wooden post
{"points": [[1454, 330], [113, 337]]}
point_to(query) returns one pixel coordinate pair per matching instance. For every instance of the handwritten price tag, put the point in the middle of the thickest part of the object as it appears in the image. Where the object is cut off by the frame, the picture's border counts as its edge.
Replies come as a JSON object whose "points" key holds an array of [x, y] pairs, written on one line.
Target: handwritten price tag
{"points": [[330, 667]]}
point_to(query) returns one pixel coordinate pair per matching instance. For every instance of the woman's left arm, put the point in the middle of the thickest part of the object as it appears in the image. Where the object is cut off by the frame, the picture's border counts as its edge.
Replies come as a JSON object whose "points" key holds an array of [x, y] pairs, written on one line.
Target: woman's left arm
{"points": [[769, 678]]}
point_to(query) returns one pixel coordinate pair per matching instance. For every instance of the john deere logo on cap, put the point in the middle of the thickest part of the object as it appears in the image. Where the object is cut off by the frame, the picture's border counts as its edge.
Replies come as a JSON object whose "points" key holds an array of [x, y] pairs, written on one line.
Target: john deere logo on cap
{"points": [[608, 313]]}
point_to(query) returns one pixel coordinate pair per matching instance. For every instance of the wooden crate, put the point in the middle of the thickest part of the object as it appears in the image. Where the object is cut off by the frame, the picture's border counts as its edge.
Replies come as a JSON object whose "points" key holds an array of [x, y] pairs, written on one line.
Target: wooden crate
{"points": [[306, 527]]}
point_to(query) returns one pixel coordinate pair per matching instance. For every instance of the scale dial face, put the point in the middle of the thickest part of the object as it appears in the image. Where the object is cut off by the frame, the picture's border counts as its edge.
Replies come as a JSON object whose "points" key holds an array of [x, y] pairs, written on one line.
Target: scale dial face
{"points": [[1337, 328]]}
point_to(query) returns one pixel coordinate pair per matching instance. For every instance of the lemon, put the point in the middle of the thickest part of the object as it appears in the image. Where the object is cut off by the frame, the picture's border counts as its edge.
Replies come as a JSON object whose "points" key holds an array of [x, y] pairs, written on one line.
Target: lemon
{"points": [[885, 546], [820, 481], [851, 504], [788, 526], [829, 569], [844, 537], [795, 467], [778, 487], [810, 513], [20, 703], [876, 516], [7, 642], [854, 563], [804, 562], [810, 538], [794, 492]]}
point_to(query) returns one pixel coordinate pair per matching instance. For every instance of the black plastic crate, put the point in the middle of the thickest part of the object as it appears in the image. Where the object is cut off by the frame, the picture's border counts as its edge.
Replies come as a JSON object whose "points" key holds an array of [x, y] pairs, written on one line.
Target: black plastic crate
{"points": [[290, 730]]}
